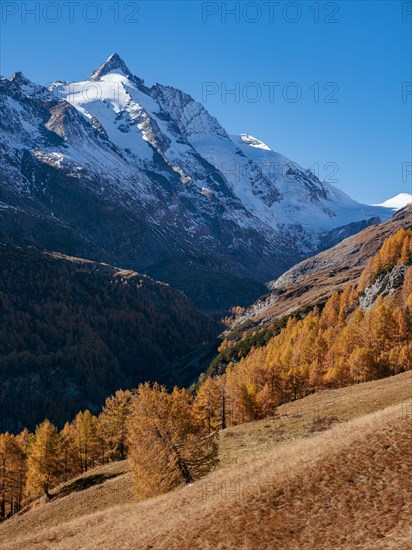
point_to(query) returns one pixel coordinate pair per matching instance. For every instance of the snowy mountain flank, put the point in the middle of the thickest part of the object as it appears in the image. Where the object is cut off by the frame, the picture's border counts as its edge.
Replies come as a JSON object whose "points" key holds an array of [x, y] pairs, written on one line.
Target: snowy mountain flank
{"points": [[145, 178]]}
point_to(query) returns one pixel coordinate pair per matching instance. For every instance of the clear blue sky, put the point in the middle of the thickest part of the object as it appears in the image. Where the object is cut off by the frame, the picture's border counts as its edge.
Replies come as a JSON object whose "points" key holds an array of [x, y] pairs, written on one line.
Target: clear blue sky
{"points": [[362, 48]]}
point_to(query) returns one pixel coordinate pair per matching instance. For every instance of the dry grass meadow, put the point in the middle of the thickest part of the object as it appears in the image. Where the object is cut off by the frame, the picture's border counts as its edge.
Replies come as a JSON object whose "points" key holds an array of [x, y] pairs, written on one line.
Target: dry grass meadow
{"points": [[332, 471]]}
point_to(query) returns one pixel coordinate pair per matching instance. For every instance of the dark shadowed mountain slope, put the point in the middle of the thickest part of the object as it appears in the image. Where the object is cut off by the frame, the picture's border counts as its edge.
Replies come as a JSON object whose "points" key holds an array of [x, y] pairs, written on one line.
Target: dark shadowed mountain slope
{"points": [[73, 331]]}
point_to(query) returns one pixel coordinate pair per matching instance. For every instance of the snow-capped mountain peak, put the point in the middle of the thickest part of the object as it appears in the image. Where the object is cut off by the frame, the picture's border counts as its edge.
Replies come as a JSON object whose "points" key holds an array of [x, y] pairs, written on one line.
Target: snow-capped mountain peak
{"points": [[399, 201], [113, 64], [20, 79], [24, 83], [148, 178]]}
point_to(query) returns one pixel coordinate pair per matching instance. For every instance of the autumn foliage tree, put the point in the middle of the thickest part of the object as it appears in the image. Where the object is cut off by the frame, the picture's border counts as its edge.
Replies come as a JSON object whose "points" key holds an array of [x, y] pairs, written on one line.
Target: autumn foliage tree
{"points": [[112, 424], [43, 466], [168, 445], [208, 405], [12, 475], [86, 440], [67, 452]]}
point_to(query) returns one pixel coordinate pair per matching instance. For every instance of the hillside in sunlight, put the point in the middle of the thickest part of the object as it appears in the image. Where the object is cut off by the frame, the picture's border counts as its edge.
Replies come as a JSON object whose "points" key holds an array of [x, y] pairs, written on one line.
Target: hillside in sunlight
{"points": [[331, 470], [320, 330], [314, 280]]}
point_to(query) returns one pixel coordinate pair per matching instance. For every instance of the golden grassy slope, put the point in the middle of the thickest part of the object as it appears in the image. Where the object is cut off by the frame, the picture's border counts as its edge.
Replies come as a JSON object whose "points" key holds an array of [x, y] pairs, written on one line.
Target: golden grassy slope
{"points": [[347, 487], [97, 489], [314, 413]]}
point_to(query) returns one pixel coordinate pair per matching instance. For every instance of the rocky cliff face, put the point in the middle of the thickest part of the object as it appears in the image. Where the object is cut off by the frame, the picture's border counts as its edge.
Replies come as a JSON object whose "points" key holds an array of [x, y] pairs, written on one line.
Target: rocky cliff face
{"points": [[146, 178], [385, 285]]}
